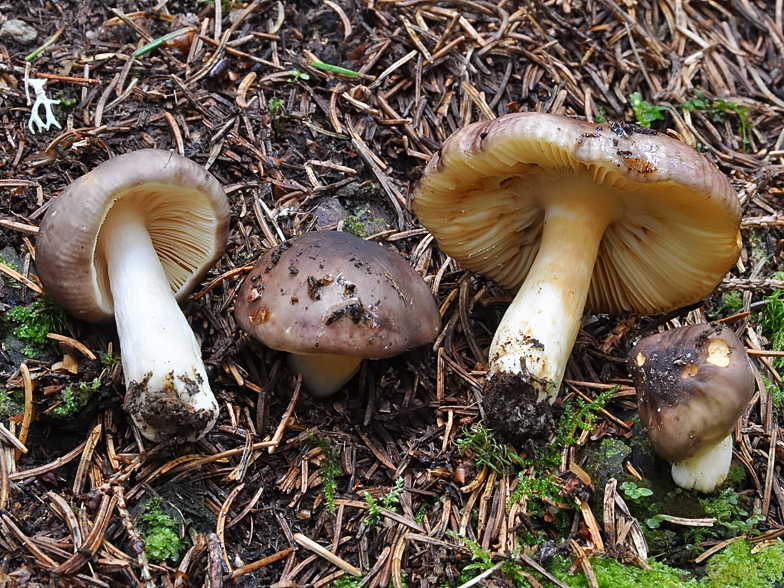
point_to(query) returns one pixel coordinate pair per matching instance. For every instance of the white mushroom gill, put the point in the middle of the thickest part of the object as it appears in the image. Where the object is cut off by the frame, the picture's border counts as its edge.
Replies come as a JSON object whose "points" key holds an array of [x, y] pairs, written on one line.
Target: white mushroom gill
{"points": [[160, 355], [536, 335]]}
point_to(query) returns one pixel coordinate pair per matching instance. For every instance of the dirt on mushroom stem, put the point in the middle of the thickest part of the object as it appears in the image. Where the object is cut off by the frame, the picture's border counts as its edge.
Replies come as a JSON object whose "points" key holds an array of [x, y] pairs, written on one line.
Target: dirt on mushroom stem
{"points": [[163, 410], [513, 412]]}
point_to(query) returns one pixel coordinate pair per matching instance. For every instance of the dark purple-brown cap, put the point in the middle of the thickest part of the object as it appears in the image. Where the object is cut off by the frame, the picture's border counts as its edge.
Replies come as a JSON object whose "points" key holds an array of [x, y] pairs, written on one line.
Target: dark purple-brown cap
{"points": [[187, 218], [693, 383], [332, 292]]}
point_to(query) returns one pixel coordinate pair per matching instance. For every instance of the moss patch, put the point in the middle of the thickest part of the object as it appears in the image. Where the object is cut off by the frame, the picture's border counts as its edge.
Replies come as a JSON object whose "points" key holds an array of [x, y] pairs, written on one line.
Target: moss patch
{"points": [[733, 567]]}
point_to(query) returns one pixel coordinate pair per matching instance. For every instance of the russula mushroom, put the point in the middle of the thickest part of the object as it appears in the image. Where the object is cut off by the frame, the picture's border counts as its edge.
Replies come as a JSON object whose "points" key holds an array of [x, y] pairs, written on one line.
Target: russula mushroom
{"points": [[130, 239], [573, 215], [331, 299], [693, 383]]}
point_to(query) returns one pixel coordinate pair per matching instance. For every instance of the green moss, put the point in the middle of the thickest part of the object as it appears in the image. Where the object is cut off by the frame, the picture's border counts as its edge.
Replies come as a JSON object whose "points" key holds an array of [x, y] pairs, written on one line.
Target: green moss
{"points": [[733, 567], [479, 443], [736, 567], [159, 531], [30, 324], [9, 406], [75, 398], [363, 224]]}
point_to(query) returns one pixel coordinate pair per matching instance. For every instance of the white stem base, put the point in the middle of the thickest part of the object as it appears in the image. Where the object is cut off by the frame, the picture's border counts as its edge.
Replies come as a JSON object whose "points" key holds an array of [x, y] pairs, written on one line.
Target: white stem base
{"points": [[167, 390], [538, 331], [705, 472], [323, 375]]}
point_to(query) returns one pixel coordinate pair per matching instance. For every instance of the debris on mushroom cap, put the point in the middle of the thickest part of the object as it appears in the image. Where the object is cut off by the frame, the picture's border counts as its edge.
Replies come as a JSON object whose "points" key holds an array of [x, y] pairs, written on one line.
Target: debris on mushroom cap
{"points": [[170, 188], [673, 238], [331, 292], [693, 383]]}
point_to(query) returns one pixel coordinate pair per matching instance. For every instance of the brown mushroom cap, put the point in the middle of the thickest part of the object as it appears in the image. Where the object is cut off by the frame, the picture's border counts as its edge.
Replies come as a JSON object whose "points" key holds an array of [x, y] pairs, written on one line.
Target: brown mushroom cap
{"points": [[693, 383], [674, 236], [332, 292], [187, 219]]}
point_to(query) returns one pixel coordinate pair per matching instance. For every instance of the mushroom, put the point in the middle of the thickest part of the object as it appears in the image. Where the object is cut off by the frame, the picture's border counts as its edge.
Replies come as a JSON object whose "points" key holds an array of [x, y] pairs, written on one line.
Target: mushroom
{"points": [[693, 383], [130, 239], [570, 215], [330, 299]]}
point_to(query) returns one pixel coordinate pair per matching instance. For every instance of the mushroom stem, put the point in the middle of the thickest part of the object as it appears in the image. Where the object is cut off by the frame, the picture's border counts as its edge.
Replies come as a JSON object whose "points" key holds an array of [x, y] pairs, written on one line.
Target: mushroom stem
{"points": [[704, 472], [536, 335], [166, 382], [325, 374]]}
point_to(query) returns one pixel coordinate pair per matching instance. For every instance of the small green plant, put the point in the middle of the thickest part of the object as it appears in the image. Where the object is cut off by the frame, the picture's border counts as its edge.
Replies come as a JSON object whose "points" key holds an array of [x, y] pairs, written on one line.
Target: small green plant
{"points": [[485, 450], [30, 324], [295, 76], [718, 109], [388, 501], [10, 406], [697, 102], [634, 492], [601, 116], [731, 302], [730, 512], [109, 360], [771, 319], [721, 108], [644, 111], [159, 530], [345, 582], [275, 105], [330, 469], [363, 224], [75, 398], [773, 390]]}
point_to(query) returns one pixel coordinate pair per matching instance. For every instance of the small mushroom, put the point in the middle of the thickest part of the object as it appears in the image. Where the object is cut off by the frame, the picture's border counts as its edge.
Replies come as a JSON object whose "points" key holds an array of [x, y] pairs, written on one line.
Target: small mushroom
{"points": [[130, 239], [573, 215], [330, 299], [693, 383]]}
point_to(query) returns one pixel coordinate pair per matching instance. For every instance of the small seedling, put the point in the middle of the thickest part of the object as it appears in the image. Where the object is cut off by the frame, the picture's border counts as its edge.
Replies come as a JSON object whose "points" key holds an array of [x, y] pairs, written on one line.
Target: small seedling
{"points": [[644, 111], [297, 75], [634, 492], [275, 105]]}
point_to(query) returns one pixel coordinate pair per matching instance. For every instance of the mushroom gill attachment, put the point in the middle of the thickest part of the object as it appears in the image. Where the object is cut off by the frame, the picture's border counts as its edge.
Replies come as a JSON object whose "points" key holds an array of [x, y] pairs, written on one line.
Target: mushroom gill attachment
{"points": [[693, 383], [331, 299], [573, 216], [129, 240]]}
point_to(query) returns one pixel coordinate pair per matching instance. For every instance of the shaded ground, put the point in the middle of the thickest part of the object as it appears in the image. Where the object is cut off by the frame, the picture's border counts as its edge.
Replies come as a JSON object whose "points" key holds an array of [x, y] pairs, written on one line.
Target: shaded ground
{"points": [[298, 149]]}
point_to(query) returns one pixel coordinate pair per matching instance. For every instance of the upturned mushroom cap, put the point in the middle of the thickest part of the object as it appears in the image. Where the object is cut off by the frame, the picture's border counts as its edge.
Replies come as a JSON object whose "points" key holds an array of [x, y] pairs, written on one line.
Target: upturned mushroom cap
{"points": [[187, 216], [673, 237], [693, 383], [331, 292]]}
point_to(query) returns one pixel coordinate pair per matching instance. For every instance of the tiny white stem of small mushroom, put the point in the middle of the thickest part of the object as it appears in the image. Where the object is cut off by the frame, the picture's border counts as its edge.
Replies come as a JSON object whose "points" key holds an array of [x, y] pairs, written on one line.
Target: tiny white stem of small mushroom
{"points": [[324, 374], [538, 331], [707, 471], [160, 355]]}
